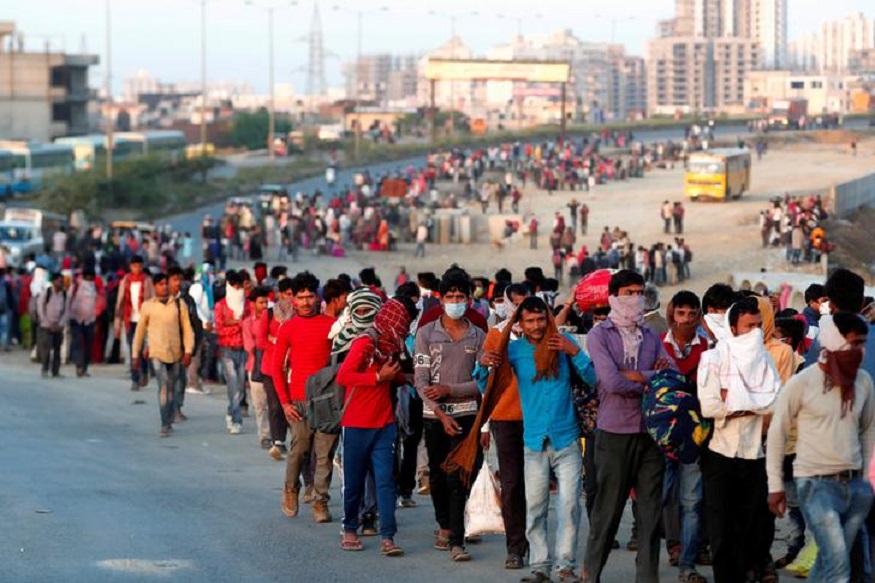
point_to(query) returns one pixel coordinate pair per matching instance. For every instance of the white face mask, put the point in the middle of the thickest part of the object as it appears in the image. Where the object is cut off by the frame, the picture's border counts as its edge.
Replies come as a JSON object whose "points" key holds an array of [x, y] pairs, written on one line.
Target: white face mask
{"points": [[419, 305], [716, 324], [455, 311], [501, 310], [824, 308]]}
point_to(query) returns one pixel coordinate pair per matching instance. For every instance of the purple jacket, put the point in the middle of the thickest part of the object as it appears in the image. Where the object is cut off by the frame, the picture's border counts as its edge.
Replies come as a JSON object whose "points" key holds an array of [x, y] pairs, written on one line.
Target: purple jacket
{"points": [[620, 399]]}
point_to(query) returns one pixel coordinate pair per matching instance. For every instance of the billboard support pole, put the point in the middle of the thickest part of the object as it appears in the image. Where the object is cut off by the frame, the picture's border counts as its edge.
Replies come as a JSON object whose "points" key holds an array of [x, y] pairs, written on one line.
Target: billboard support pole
{"points": [[433, 113], [562, 122]]}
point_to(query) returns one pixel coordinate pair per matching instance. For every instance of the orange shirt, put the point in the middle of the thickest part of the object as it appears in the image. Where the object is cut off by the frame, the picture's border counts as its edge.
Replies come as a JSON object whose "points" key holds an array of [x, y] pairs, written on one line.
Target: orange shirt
{"points": [[508, 407]]}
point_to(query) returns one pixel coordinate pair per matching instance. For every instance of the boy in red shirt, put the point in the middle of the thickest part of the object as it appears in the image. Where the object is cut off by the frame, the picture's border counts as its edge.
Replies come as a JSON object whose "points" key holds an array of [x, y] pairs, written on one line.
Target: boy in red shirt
{"points": [[229, 316], [303, 342], [369, 429]]}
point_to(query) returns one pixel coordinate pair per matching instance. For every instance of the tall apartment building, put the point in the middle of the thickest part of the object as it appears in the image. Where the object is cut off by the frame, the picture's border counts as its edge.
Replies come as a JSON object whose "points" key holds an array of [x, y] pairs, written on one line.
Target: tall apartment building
{"points": [[692, 74], [627, 86], [839, 39], [765, 21], [44, 95], [381, 78]]}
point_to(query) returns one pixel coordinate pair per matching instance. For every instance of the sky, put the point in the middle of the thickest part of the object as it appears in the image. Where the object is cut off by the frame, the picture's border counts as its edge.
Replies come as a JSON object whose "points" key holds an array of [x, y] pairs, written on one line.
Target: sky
{"points": [[164, 36]]}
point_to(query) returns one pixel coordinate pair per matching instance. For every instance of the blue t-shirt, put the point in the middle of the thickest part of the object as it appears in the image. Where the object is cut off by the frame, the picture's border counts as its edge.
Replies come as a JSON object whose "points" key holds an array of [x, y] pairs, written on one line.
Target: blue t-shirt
{"points": [[547, 405]]}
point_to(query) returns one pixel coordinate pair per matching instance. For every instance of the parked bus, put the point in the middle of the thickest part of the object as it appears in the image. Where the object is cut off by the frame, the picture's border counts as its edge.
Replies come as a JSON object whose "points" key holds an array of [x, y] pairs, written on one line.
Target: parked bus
{"points": [[86, 149], [7, 164], [718, 174], [170, 143], [33, 162], [48, 223]]}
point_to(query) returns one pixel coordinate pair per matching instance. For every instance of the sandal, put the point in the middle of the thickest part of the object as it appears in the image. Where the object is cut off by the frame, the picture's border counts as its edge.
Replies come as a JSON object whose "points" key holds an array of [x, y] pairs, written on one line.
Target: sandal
{"points": [[388, 548], [459, 555], [351, 544], [513, 562], [441, 541]]}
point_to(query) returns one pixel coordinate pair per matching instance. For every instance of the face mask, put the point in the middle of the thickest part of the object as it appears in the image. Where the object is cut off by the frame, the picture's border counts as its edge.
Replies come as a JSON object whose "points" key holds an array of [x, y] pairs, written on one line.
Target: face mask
{"points": [[824, 308], [749, 341], [627, 311], [478, 292], [455, 311], [419, 304], [501, 311], [842, 366], [716, 324]]}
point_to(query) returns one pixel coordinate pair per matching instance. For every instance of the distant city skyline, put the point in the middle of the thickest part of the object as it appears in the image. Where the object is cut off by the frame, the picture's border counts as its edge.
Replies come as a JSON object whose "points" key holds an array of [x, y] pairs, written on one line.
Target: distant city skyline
{"points": [[163, 36]]}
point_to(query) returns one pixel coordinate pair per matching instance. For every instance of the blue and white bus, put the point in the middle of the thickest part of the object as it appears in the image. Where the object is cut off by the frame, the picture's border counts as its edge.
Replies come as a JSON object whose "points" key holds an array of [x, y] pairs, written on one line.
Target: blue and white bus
{"points": [[86, 149], [34, 162], [7, 164], [169, 143]]}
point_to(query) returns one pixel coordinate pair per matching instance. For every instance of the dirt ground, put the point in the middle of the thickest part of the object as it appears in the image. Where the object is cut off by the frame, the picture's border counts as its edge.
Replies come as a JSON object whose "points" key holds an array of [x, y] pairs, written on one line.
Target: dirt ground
{"points": [[724, 237], [855, 245]]}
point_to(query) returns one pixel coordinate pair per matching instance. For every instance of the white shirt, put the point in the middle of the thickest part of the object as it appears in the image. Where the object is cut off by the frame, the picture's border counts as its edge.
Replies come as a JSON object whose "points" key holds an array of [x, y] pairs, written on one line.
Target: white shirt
{"points": [[733, 437], [136, 292]]}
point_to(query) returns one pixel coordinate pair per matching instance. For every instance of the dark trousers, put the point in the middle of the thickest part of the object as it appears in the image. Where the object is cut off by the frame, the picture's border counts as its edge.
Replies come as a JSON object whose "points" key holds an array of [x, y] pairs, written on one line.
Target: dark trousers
{"points": [[511, 466], [49, 345], [589, 476], [448, 492], [626, 461], [208, 356], [369, 451], [279, 426], [736, 507], [82, 343], [136, 374], [407, 453]]}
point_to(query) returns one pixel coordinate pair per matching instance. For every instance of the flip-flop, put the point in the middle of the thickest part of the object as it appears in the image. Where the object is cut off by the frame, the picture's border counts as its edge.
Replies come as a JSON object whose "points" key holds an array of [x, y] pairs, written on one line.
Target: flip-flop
{"points": [[351, 545], [390, 549]]}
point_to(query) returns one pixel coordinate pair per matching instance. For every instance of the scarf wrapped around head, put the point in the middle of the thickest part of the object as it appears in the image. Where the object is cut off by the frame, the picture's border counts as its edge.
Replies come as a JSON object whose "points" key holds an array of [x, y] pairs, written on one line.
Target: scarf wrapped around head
{"points": [[463, 457], [391, 324], [283, 310], [840, 362], [351, 324], [627, 314]]}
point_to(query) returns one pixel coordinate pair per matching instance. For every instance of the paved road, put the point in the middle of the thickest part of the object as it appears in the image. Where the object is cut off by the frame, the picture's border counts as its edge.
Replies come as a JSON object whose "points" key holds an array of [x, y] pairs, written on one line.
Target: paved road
{"points": [[90, 493]]}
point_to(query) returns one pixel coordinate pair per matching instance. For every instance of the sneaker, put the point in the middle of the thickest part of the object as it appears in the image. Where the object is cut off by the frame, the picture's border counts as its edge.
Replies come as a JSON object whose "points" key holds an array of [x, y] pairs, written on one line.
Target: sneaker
{"points": [[321, 515], [236, 429], [290, 502], [229, 421], [424, 489], [194, 391], [276, 453], [406, 502], [805, 560]]}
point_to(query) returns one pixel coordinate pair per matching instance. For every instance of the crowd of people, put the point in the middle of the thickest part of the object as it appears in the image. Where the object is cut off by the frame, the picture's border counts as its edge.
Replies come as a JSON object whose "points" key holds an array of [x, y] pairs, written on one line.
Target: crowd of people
{"points": [[719, 413], [796, 223]]}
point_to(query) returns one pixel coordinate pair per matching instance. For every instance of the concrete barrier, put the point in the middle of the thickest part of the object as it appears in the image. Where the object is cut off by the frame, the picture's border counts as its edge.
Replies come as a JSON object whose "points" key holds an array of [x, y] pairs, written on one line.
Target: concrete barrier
{"points": [[849, 196]]}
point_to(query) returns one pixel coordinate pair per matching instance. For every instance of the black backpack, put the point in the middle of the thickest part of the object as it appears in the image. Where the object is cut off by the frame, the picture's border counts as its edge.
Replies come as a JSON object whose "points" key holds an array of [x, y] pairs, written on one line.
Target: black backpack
{"points": [[197, 325]]}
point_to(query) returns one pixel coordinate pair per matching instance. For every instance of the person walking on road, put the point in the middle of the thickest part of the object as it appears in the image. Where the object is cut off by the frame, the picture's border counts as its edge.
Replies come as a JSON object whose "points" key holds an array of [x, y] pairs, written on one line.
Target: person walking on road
{"points": [[85, 306], [229, 316], [135, 288], [667, 214], [53, 317], [165, 327]]}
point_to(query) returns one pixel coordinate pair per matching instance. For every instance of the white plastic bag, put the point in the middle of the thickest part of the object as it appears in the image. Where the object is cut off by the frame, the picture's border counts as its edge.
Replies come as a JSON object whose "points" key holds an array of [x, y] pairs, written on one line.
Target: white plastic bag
{"points": [[483, 510]]}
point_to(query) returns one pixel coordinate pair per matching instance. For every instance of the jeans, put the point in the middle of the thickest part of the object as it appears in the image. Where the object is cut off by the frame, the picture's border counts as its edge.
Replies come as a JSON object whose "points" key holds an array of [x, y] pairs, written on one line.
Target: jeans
{"points": [[306, 441], [834, 512], [566, 464], [626, 461], [144, 363], [193, 373], [420, 250], [363, 450], [234, 365], [5, 317], [82, 342], [166, 374], [448, 493], [795, 519], [689, 479], [208, 355], [511, 465]]}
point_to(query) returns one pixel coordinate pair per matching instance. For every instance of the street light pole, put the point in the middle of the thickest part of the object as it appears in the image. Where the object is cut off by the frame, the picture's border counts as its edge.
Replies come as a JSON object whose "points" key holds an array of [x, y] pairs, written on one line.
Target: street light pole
{"points": [[358, 65], [110, 125], [271, 119], [203, 78]]}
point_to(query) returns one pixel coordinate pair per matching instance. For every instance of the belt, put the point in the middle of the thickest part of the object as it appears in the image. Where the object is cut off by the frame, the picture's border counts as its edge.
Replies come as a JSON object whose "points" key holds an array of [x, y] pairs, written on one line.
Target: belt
{"points": [[844, 476]]}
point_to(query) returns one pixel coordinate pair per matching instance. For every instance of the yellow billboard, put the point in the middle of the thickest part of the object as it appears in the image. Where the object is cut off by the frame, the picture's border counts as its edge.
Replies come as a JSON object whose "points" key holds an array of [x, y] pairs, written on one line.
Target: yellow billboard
{"points": [[474, 70]]}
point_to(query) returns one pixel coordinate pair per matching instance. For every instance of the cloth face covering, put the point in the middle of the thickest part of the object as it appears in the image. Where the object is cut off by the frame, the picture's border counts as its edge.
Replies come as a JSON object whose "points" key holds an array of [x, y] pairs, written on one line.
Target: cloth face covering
{"points": [[627, 314], [455, 311], [391, 324], [716, 325], [747, 371], [361, 310], [840, 361], [236, 300]]}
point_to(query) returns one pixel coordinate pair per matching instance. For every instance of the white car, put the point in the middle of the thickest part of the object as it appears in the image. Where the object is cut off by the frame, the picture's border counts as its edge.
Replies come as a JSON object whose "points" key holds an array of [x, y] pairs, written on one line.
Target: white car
{"points": [[19, 239]]}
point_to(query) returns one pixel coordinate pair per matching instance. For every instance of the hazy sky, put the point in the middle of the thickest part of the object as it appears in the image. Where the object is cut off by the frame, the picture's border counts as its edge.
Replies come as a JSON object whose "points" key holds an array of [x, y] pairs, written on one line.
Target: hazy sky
{"points": [[163, 36]]}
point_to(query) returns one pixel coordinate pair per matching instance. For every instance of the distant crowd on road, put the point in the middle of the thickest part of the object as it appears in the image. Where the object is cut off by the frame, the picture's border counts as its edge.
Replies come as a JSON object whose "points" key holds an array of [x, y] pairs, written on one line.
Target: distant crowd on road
{"points": [[796, 223]]}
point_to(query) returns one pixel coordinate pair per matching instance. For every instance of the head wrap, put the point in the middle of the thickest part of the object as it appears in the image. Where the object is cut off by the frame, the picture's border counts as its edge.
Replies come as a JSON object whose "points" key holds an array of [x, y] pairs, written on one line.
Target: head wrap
{"points": [[391, 324], [747, 371], [627, 314], [351, 324], [839, 361]]}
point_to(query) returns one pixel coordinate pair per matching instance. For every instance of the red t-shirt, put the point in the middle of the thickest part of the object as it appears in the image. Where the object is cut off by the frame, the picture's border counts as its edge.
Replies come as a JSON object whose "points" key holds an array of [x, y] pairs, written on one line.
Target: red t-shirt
{"points": [[370, 403], [305, 342]]}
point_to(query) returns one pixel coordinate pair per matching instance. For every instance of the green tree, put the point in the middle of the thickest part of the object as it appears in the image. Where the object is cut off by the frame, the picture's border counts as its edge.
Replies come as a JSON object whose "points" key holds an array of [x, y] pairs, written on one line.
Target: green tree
{"points": [[250, 129]]}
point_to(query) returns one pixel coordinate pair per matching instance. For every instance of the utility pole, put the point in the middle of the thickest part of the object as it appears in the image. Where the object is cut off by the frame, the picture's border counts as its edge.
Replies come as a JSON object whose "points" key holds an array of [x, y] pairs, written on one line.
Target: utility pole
{"points": [[110, 122], [270, 112], [358, 65], [203, 78]]}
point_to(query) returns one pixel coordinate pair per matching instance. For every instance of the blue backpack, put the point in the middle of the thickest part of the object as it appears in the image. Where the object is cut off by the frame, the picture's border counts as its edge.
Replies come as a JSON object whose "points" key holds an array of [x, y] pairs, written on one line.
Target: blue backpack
{"points": [[673, 417]]}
